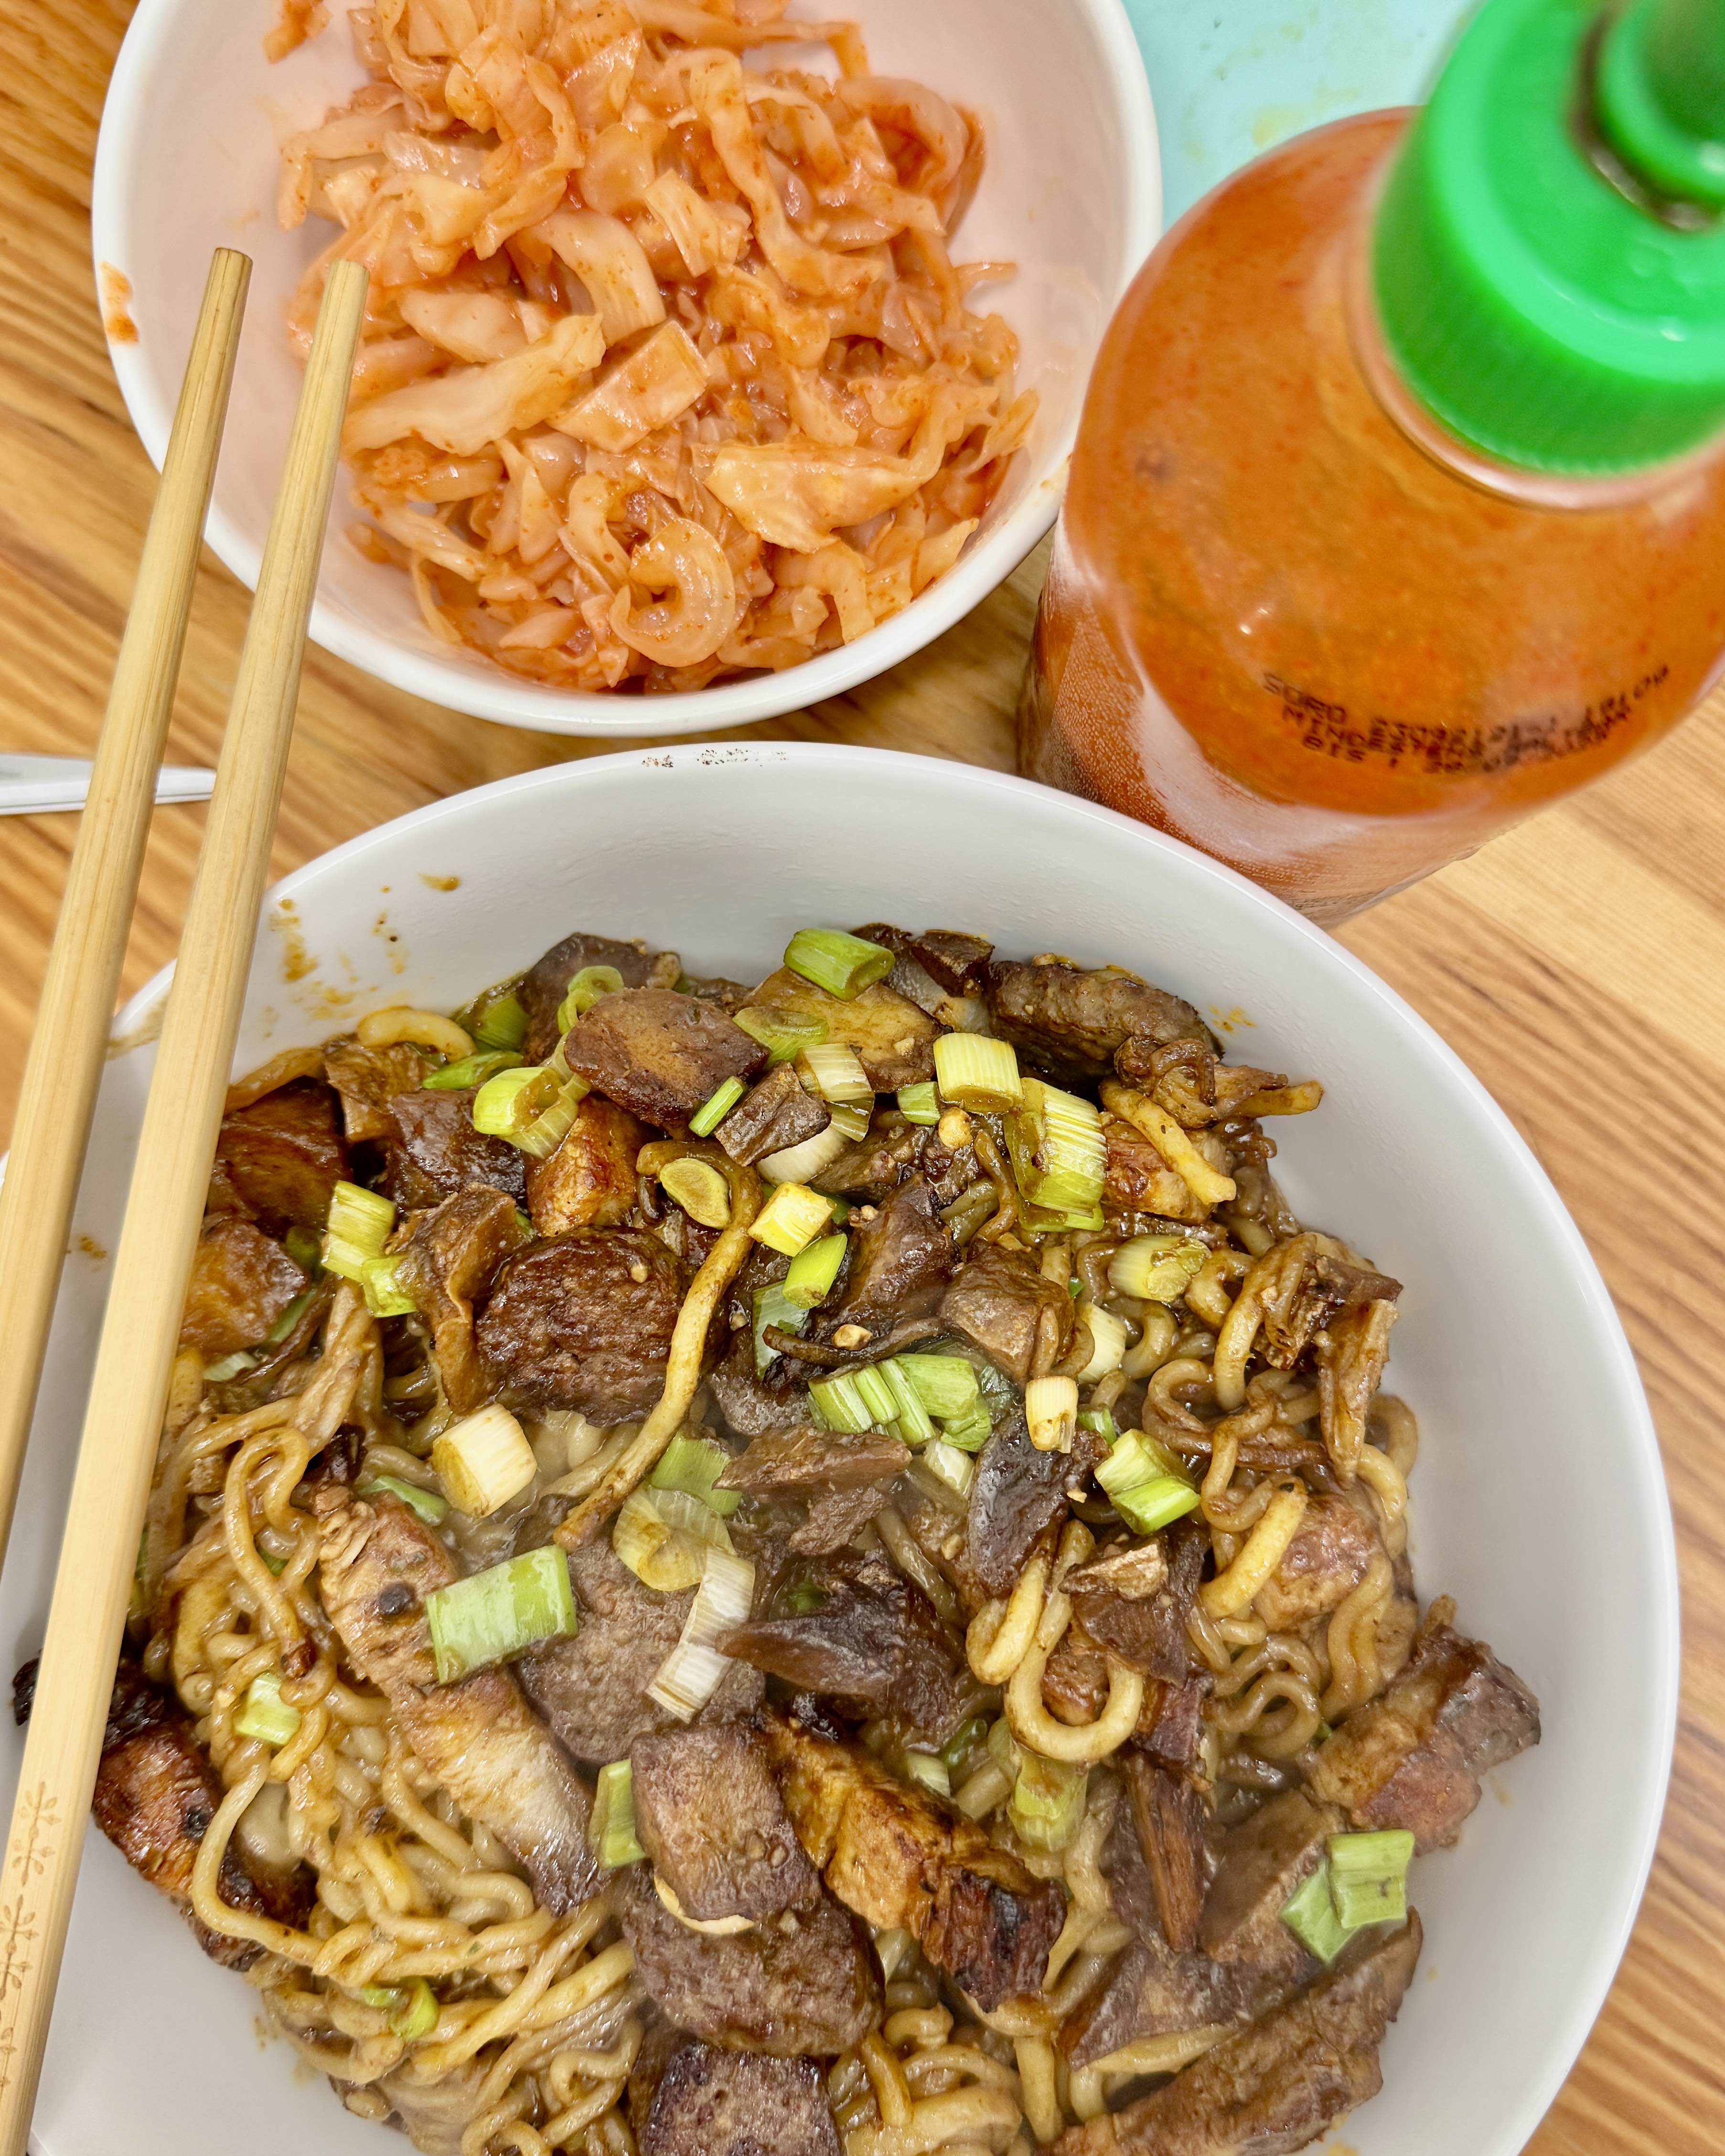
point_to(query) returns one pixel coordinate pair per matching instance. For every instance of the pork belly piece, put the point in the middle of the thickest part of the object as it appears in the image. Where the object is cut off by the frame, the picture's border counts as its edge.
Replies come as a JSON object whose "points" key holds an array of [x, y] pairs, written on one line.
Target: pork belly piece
{"points": [[777, 1113], [1001, 1303], [1260, 1863], [448, 1257], [156, 1794], [1069, 1023], [897, 1856], [659, 1055], [541, 989], [431, 1150], [1280, 2084], [709, 2102], [957, 961], [283, 1156], [593, 1689], [480, 1737], [1145, 1630], [584, 1321], [241, 1283], [589, 1182], [1331, 1553], [366, 1080], [1017, 1493], [1170, 1819], [805, 1982], [708, 1814], [900, 1262], [1136, 1178], [892, 1039], [1414, 1758]]}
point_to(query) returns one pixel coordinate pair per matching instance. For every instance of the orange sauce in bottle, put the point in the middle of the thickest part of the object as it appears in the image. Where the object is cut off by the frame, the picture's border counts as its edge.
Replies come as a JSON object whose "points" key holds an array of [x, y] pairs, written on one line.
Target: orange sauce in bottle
{"points": [[1292, 622]]}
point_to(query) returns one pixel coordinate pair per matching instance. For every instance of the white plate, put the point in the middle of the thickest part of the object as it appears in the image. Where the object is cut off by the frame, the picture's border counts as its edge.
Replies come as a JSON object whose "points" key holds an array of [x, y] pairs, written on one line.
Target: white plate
{"points": [[1539, 1498], [187, 161]]}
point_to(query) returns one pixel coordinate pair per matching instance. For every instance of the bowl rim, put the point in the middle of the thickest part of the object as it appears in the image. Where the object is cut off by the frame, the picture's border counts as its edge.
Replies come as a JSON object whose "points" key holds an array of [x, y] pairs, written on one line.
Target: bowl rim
{"points": [[125, 135], [855, 767]]}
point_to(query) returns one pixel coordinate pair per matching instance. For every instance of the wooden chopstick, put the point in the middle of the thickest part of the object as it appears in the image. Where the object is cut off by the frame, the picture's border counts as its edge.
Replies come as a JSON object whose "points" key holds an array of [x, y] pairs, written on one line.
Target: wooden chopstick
{"points": [[166, 1204], [64, 1067]]}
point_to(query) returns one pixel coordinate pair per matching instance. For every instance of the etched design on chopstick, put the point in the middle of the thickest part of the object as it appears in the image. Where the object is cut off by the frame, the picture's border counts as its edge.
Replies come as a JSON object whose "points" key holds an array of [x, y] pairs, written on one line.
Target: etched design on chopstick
{"points": [[38, 1816]]}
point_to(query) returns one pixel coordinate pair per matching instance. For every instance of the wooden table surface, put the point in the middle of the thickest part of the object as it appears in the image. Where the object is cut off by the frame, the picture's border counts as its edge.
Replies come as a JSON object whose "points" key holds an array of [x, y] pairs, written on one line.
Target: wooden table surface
{"points": [[1602, 921]]}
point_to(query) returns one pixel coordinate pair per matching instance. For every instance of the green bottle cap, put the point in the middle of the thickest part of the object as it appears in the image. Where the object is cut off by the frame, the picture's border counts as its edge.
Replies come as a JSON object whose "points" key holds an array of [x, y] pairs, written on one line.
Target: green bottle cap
{"points": [[1545, 305]]}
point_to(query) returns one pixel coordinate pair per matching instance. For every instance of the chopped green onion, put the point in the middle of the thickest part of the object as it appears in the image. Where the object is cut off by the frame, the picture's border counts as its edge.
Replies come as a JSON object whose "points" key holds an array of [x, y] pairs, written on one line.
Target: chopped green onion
{"points": [[471, 1071], [813, 1271], [266, 1715], [501, 1612], [358, 1228], [1003, 1748], [1164, 1460], [305, 1246], [694, 1670], [546, 1132], [411, 2008], [773, 1307], [484, 1461], [1047, 1806], [834, 1072], [964, 1740], [385, 1295], [782, 1035], [1156, 1268], [585, 990], [1310, 1914], [425, 1503], [969, 1433], [230, 1366], [717, 1105], [1100, 1420], [1051, 1410], [838, 1403], [500, 1021], [975, 1070], [511, 1103], [1055, 1142], [665, 1537], [875, 1390], [1107, 1341], [950, 1465], [1142, 1491], [1038, 1220], [852, 1124], [928, 1771], [288, 1319], [1368, 1878], [804, 1163], [695, 1465], [273, 1564], [700, 1188], [918, 1104], [945, 1384], [611, 1830], [914, 1423], [843, 965], [792, 1218]]}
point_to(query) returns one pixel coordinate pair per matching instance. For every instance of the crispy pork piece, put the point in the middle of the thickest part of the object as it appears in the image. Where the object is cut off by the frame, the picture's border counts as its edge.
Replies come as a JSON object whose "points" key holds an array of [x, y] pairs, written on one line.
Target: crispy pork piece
{"points": [[480, 1737], [900, 1262], [1069, 1023], [542, 987], [708, 1814], [447, 1259], [777, 1113], [1170, 1818], [241, 1283], [1331, 1553], [156, 1794], [709, 2102], [893, 1040], [1280, 2084], [431, 1150], [1136, 1178], [1146, 1631], [283, 1156], [805, 1982], [1260, 1863], [659, 1055], [1017, 1493], [898, 1857], [1414, 1758], [366, 1080], [1001, 1303], [589, 1182], [584, 1321]]}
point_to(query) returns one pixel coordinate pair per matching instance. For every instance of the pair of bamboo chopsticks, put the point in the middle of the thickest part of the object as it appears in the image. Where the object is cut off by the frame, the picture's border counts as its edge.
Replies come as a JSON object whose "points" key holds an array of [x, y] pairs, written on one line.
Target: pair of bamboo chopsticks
{"points": [[177, 1141]]}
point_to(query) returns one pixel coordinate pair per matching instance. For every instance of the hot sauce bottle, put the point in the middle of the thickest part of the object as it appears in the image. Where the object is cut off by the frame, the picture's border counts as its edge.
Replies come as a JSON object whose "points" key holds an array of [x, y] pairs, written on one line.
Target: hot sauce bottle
{"points": [[1398, 502]]}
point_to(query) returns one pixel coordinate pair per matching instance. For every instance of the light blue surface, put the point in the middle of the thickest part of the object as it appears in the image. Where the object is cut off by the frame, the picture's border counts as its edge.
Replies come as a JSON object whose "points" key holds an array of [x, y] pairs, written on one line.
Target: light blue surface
{"points": [[1233, 78]]}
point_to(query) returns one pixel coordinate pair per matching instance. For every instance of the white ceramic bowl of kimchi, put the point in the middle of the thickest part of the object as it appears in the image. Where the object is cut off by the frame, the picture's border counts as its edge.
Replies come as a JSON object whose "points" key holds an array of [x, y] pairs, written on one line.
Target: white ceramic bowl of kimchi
{"points": [[1069, 193], [1537, 1499]]}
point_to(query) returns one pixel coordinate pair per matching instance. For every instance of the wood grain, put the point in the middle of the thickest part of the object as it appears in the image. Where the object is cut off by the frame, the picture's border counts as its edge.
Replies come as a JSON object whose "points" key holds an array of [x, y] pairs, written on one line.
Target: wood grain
{"points": [[1599, 927]]}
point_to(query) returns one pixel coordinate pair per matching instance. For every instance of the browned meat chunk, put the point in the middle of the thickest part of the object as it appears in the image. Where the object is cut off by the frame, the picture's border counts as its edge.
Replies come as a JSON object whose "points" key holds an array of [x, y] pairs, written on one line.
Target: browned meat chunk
{"points": [[1414, 1758], [1002, 1304], [1306, 1288], [1146, 1631], [1278, 2085], [872, 1169], [729, 996], [589, 1182], [447, 1259], [803, 1983], [1017, 1493], [660, 1055], [957, 962], [156, 1794], [1331, 1553], [283, 1156], [366, 1080], [584, 1321], [593, 1689], [709, 2102], [709, 1814], [1262, 1863], [1175, 1735], [1069, 1023], [479, 1738], [853, 1628], [805, 1462], [899, 1260], [751, 1405], [896, 1856], [777, 1113], [893, 1040], [1136, 1178], [835, 1517], [542, 987], [241, 1283], [1169, 1816], [1153, 1991], [431, 1151]]}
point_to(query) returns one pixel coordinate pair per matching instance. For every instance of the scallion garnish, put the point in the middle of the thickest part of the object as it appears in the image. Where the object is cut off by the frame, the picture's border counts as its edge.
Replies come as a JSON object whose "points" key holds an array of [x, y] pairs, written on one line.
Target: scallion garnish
{"points": [[1055, 1139], [305, 1247], [813, 1270], [1141, 1488], [358, 1227], [265, 1715], [1102, 1421], [666, 1536], [1368, 1876], [717, 1105], [970, 1433], [585, 990], [471, 1071], [792, 1218], [1107, 1341], [928, 1771], [783, 1034], [426, 1504], [975, 1070], [840, 1405], [1156, 1268], [1047, 1804], [950, 1464], [484, 1461], [500, 1022], [915, 1425], [875, 1390], [802, 1163], [834, 1072], [843, 965], [700, 1188], [501, 1612], [1310, 1914], [288, 1319], [693, 1670], [410, 2008], [919, 1104], [1051, 1411], [694, 1464], [611, 1830], [774, 1307], [385, 1295], [945, 1384], [229, 1367]]}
